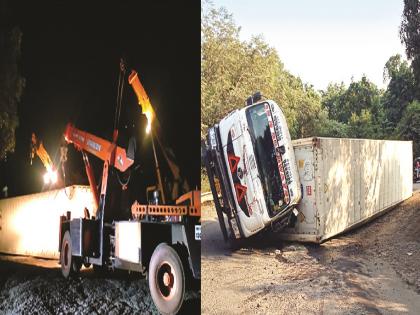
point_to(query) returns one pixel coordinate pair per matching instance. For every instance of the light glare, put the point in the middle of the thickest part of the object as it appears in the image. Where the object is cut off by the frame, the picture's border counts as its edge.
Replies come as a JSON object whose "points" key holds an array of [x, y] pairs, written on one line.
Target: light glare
{"points": [[50, 177], [53, 177], [149, 121], [46, 178]]}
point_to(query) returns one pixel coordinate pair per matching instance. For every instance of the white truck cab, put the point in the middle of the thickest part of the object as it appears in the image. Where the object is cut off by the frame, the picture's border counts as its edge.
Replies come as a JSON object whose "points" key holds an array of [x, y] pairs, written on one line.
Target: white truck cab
{"points": [[251, 167]]}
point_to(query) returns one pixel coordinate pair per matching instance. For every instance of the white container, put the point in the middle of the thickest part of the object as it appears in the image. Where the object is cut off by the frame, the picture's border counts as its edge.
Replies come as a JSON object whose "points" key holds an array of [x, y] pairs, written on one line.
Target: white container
{"points": [[29, 224], [347, 182]]}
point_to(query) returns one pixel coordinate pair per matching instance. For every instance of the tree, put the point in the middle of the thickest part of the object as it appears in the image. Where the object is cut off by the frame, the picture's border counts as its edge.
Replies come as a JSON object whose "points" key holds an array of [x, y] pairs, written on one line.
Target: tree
{"points": [[400, 90], [360, 95], [11, 82], [332, 100], [409, 126], [410, 36], [332, 128], [302, 106], [232, 69], [362, 126], [357, 110]]}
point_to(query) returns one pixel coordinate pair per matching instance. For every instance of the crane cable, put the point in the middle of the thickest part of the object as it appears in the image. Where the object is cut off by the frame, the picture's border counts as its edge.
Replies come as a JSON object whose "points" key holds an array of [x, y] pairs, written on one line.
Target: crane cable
{"points": [[120, 91], [62, 163]]}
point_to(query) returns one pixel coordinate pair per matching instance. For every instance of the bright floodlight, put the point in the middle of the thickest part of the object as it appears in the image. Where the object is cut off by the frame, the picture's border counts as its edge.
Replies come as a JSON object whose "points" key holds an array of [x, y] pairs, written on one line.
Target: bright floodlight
{"points": [[46, 178], [149, 121], [53, 177], [50, 177]]}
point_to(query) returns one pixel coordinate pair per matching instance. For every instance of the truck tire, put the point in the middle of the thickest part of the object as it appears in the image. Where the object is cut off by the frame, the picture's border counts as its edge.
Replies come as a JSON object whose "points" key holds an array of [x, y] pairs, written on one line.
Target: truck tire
{"points": [[66, 258], [166, 279]]}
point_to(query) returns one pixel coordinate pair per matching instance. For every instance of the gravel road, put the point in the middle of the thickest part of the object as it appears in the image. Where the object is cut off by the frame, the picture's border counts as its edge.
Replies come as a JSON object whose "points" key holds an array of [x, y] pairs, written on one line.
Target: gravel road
{"points": [[36, 286], [373, 270]]}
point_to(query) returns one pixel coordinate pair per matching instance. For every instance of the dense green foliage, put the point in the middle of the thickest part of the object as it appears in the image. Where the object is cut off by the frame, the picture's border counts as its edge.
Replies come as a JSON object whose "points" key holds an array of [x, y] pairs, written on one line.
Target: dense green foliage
{"points": [[410, 36], [11, 82], [232, 69], [408, 127], [400, 91]]}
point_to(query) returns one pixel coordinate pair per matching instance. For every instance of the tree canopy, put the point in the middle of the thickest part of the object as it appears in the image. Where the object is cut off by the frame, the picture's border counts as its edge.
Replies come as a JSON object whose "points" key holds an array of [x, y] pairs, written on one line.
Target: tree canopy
{"points": [[400, 90], [11, 82], [232, 69], [410, 36]]}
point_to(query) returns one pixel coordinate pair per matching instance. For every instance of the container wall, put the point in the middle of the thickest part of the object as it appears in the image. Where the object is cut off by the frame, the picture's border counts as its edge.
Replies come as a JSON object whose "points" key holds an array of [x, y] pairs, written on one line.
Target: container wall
{"points": [[354, 179], [29, 224], [360, 178], [339, 184]]}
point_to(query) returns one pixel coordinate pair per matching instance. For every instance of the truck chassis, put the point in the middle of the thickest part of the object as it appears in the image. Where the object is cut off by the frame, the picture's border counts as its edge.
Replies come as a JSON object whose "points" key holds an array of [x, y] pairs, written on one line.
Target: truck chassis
{"points": [[160, 241]]}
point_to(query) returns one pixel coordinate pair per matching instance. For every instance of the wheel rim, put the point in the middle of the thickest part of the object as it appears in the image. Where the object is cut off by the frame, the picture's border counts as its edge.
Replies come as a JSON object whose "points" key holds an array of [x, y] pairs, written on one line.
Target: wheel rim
{"points": [[166, 280]]}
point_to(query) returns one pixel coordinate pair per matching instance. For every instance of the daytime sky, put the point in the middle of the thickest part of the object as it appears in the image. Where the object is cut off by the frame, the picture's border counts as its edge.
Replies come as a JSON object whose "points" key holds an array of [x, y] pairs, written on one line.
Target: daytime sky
{"points": [[325, 41]]}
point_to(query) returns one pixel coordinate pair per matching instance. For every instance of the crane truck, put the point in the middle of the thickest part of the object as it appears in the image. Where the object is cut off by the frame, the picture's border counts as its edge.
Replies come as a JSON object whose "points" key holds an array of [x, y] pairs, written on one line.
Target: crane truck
{"points": [[159, 240], [251, 168]]}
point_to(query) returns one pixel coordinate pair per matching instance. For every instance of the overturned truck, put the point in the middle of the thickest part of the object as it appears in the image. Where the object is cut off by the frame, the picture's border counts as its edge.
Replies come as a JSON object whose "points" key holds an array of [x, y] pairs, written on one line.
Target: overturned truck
{"points": [[252, 170], [307, 189]]}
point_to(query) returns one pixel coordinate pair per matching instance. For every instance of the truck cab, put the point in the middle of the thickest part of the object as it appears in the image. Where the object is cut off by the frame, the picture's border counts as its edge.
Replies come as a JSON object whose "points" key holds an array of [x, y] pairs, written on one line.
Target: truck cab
{"points": [[251, 167]]}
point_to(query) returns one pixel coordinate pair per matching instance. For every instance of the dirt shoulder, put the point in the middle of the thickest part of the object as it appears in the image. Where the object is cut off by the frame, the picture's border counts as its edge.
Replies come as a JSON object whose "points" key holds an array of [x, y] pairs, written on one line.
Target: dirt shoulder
{"points": [[372, 270]]}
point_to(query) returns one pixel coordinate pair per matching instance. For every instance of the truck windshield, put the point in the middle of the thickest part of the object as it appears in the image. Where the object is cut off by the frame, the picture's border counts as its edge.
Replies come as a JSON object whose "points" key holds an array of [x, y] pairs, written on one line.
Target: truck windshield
{"points": [[265, 156]]}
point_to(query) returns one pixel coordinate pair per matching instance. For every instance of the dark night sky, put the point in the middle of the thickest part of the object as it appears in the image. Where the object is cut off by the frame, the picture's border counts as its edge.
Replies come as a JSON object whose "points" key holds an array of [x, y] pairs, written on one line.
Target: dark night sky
{"points": [[70, 60]]}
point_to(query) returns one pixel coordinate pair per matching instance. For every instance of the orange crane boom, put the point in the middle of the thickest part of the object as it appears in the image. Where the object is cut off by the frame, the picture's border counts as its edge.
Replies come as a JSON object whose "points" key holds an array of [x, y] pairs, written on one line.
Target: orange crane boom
{"points": [[105, 150], [154, 128], [142, 98], [37, 148]]}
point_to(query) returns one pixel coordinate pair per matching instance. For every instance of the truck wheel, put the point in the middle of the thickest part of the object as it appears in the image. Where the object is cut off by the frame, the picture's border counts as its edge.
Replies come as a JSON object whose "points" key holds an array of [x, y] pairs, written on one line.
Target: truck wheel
{"points": [[66, 259], [166, 279]]}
